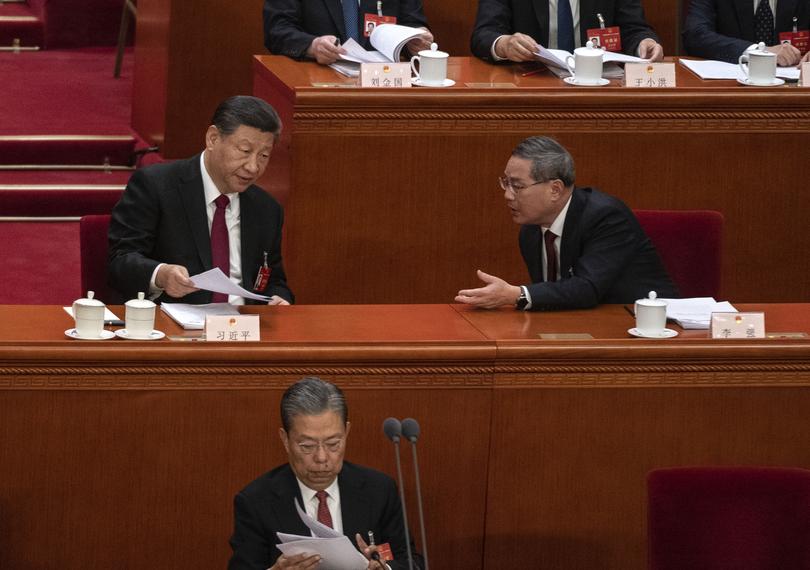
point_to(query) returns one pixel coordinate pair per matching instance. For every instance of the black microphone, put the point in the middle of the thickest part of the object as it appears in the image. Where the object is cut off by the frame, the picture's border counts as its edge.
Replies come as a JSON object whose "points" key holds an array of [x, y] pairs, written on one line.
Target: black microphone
{"points": [[411, 431], [392, 428]]}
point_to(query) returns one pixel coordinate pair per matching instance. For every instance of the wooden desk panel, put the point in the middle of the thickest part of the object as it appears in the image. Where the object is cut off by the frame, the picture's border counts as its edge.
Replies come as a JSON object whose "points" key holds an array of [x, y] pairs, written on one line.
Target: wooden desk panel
{"points": [[401, 185], [128, 454]]}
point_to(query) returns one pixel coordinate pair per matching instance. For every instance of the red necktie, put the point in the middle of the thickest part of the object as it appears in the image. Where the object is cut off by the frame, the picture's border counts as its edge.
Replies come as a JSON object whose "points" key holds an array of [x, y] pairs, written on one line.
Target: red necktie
{"points": [[551, 257], [324, 516], [220, 248]]}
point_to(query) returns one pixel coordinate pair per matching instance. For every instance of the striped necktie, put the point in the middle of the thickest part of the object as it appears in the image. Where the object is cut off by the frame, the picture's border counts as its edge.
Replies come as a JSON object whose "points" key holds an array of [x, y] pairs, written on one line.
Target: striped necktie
{"points": [[351, 19], [565, 26]]}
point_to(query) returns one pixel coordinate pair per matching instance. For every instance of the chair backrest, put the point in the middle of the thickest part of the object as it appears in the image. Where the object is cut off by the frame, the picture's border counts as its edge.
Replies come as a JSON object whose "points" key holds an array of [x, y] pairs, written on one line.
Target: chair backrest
{"points": [[755, 518], [690, 245], [94, 247]]}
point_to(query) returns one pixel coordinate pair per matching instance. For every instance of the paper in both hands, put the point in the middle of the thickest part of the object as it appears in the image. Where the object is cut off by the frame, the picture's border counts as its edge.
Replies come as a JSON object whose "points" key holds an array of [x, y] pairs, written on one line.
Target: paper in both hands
{"points": [[215, 280], [336, 551]]}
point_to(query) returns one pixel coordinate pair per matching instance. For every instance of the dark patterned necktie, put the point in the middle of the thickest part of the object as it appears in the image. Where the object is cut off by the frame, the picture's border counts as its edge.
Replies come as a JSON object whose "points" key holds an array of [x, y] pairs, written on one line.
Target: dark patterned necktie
{"points": [[565, 26], [551, 256], [763, 23], [220, 245], [351, 19], [324, 516]]}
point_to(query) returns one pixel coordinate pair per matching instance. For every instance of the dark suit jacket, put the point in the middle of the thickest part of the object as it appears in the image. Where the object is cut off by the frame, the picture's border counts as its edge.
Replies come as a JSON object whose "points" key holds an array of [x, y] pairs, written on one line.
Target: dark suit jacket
{"points": [[291, 25], [161, 218], [723, 29], [605, 257], [531, 17], [368, 498]]}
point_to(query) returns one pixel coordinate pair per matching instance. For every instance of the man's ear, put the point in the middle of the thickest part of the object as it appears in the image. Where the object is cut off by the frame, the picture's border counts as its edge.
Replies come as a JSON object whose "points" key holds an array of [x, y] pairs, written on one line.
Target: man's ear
{"points": [[557, 188], [212, 135], [285, 441], [348, 427]]}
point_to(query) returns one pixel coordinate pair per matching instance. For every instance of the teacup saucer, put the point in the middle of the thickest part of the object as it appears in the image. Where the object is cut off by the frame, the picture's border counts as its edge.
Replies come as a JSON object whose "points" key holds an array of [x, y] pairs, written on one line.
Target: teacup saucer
{"points": [[447, 83], [154, 335], [105, 335], [572, 81], [748, 83], [666, 333]]}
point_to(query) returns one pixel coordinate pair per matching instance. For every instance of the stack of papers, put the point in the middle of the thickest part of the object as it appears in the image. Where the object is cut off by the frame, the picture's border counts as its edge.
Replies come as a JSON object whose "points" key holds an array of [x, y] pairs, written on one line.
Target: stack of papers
{"points": [[696, 313], [336, 550], [192, 317], [555, 61], [389, 39], [710, 69]]}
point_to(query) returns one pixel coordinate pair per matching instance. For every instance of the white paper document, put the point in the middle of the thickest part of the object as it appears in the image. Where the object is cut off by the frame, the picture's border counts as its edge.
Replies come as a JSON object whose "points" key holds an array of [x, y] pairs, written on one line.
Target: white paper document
{"points": [[215, 280], [555, 61], [192, 317], [336, 550], [388, 39], [710, 69], [696, 313]]}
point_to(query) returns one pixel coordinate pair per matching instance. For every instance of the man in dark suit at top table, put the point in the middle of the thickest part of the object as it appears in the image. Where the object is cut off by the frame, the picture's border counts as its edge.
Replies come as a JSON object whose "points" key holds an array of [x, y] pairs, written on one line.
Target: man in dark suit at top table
{"points": [[604, 255], [314, 29], [509, 29], [724, 29], [186, 217], [347, 497]]}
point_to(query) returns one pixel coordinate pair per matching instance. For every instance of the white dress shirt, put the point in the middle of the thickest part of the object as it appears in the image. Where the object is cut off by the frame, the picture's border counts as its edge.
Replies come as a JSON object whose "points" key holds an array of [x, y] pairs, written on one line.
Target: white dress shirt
{"points": [[557, 228], [332, 501]]}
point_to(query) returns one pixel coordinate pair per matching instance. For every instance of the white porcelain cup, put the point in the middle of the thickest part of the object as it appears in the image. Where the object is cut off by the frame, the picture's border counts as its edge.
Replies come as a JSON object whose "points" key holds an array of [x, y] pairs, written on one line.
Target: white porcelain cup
{"points": [[586, 64], [758, 65], [651, 315], [88, 314], [432, 69], [140, 317]]}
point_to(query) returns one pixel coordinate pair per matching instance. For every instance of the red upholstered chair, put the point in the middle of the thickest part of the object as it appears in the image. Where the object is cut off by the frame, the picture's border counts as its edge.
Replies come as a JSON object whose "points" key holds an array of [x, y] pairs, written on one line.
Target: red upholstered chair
{"points": [[94, 246], [729, 518], [690, 245]]}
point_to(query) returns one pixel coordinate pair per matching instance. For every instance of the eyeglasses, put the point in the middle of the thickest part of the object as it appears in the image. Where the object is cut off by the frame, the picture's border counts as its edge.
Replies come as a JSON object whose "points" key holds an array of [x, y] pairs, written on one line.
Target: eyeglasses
{"points": [[507, 184], [331, 446]]}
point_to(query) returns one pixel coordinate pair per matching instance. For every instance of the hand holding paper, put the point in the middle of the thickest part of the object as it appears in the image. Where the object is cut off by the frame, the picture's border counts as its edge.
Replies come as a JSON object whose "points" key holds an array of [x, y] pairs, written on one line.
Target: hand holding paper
{"points": [[216, 281]]}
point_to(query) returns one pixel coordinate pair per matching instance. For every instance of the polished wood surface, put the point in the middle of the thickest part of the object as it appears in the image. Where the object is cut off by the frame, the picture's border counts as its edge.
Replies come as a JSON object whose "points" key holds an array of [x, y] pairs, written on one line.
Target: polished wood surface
{"points": [[127, 454], [392, 194]]}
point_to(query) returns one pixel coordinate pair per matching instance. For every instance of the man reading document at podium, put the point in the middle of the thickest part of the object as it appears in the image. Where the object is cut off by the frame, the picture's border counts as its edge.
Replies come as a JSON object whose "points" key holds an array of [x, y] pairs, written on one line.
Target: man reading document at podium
{"points": [[314, 29], [582, 247], [510, 29], [349, 498]]}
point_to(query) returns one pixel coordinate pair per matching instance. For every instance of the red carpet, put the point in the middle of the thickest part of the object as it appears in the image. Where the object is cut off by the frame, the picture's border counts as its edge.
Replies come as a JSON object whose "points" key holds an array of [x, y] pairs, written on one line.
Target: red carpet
{"points": [[69, 92], [40, 263]]}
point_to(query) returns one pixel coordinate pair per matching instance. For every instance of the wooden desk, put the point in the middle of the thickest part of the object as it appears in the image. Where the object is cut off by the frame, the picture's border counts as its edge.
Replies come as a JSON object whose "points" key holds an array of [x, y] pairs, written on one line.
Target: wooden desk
{"points": [[127, 454], [392, 196]]}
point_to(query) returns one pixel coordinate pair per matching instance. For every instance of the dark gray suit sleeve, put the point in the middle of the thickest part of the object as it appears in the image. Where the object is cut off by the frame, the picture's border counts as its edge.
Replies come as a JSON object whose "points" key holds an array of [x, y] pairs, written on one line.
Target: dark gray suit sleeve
{"points": [[132, 235], [607, 247], [629, 16], [251, 550], [283, 30], [494, 19], [700, 36]]}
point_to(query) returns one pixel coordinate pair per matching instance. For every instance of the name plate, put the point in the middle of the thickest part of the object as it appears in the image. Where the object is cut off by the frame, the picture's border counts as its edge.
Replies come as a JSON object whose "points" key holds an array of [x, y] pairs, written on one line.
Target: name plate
{"points": [[805, 82], [232, 328], [738, 325], [657, 75], [385, 75]]}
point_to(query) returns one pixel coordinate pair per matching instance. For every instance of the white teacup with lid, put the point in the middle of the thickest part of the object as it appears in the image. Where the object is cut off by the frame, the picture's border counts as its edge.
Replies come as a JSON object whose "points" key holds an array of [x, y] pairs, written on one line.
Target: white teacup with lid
{"points": [[651, 315], [140, 317], [432, 66], [88, 313], [758, 65], [586, 64]]}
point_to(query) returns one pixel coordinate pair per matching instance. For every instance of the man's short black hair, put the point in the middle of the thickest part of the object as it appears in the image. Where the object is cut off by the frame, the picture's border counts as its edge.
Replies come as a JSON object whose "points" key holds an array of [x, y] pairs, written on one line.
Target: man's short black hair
{"points": [[240, 110]]}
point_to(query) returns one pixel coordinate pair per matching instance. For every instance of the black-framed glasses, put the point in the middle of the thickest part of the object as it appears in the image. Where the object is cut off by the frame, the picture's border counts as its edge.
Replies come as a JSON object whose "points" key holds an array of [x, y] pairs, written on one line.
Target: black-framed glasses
{"points": [[507, 184]]}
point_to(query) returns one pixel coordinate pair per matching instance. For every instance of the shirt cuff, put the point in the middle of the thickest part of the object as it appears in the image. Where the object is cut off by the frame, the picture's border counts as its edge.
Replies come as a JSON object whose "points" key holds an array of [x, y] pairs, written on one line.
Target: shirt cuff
{"points": [[495, 56], [528, 297], [154, 290]]}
